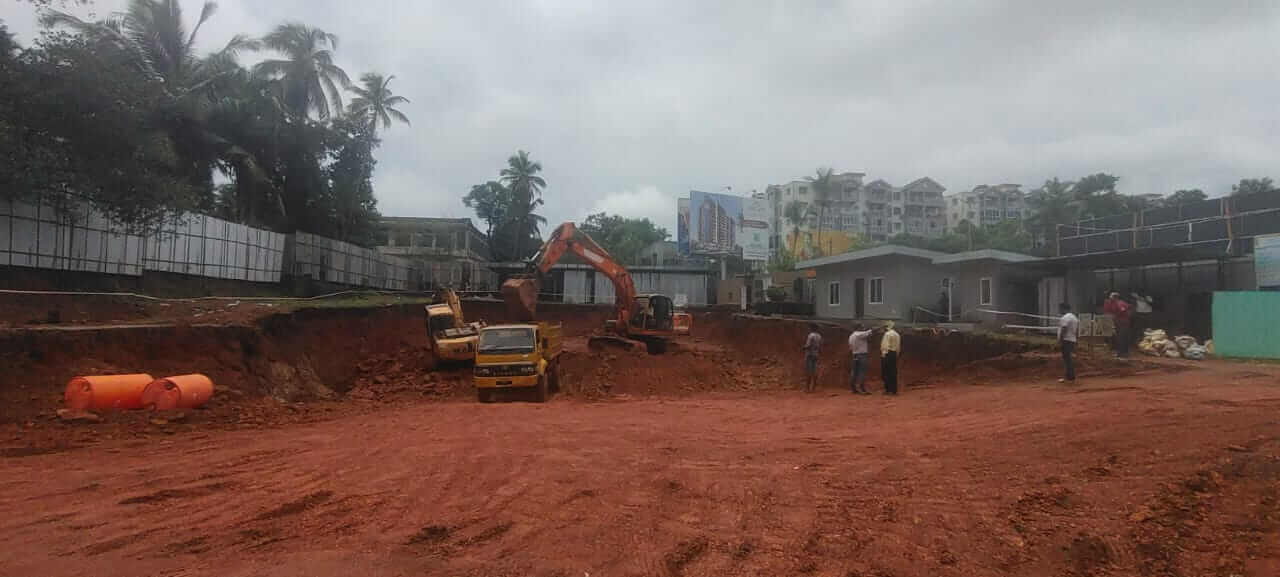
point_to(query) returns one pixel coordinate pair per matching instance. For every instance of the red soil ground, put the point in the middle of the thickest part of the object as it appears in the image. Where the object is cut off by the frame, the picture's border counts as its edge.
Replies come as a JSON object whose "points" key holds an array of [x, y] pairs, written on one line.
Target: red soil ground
{"points": [[1157, 473], [336, 446]]}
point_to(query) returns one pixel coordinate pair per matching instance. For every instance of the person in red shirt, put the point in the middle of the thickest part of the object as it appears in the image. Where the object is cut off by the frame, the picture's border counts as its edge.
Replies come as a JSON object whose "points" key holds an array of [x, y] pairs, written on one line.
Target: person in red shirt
{"points": [[1119, 312]]}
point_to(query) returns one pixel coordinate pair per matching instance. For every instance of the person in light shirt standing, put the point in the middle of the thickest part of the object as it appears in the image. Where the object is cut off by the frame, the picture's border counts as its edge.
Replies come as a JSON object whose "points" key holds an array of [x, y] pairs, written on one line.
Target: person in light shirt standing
{"points": [[1068, 333], [812, 346], [890, 349], [858, 370]]}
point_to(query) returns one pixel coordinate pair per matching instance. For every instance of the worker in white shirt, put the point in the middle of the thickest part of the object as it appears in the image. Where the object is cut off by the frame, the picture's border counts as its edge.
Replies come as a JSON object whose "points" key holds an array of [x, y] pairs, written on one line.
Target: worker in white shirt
{"points": [[890, 349], [858, 370], [1068, 333]]}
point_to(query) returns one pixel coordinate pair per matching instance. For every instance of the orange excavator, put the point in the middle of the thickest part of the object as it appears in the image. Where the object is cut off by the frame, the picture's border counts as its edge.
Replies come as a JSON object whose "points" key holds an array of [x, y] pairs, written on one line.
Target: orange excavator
{"points": [[648, 318]]}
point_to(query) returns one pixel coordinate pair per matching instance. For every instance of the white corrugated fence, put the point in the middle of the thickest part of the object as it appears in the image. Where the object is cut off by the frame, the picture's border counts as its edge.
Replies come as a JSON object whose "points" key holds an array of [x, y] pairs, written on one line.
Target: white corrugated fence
{"points": [[82, 239]]}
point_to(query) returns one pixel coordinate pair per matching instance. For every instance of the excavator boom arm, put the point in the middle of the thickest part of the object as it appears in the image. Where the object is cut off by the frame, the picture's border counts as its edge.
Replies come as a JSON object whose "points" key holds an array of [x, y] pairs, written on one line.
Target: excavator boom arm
{"points": [[566, 237]]}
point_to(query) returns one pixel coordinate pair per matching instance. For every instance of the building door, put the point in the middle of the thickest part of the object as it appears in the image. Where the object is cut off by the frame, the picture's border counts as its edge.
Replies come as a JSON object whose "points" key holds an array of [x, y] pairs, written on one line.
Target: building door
{"points": [[859, 297]]}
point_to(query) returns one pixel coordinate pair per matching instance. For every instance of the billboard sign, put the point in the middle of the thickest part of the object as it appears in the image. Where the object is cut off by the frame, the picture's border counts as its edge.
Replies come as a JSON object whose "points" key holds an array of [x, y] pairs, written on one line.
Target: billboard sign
{"points": [[713, 223], [754, 233], [1266, 260], [723, 224], [682, 226]]}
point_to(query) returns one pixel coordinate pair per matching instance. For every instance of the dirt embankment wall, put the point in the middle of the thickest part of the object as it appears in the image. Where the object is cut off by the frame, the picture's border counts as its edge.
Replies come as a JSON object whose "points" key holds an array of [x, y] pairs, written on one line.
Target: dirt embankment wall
{"points": [[312, 354]]}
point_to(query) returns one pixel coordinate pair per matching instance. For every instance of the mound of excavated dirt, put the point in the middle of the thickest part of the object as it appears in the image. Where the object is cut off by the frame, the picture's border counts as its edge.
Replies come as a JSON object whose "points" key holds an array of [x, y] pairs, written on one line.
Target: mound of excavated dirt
{"points": [[685, 368], [315, 363], [729, 352], [260, 372]]}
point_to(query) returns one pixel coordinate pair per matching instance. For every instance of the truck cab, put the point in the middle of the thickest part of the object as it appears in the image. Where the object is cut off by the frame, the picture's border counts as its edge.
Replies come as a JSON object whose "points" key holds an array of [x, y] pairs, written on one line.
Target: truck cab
{"points": [[518, 357]]}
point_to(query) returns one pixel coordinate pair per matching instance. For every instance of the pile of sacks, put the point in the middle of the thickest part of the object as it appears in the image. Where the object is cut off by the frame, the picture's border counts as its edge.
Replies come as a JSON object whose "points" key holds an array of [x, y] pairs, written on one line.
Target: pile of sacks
{"points": [[1156, 342]]}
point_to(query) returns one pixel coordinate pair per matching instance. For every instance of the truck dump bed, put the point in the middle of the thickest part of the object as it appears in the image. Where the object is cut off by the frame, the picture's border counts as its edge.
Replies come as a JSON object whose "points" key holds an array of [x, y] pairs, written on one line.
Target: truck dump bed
{"points": [[553, 336]]}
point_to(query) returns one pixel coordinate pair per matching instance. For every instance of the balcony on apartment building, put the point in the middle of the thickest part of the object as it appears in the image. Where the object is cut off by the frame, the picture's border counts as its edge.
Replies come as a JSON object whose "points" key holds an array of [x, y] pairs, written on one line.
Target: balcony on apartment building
{"points": [[447, 245]]}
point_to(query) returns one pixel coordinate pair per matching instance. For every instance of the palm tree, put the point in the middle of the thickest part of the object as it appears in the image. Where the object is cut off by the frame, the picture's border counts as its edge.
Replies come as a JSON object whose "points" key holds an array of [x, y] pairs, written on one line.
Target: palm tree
{"points": [[308, 79], [374, 102], [153, 35], [822, 185], [521, 178], [795, 214]]}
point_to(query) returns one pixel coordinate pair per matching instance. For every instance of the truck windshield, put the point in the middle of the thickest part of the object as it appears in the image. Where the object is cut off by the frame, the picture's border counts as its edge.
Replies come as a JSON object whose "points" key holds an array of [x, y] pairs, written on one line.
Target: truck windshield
{"points": [[440, 323], [506, 340]]}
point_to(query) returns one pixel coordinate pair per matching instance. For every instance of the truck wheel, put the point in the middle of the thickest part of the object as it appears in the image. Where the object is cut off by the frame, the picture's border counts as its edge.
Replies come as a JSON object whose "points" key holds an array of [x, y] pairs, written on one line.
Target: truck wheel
{"points": [[484, 395], [555, 377], [540, 393]]}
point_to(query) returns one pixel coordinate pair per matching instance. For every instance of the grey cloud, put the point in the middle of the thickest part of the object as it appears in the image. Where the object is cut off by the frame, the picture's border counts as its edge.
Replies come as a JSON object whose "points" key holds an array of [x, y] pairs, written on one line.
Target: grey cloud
{"points": [[631, 104]]}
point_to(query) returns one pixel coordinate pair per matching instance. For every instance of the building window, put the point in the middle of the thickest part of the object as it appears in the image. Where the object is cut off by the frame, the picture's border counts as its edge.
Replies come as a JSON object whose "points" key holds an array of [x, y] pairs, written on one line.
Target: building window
{"points": [[971, 215], [833, 294], [804, 190], [984, 291], [897, 196], [875, 296], [897, 211], [897, 226]]}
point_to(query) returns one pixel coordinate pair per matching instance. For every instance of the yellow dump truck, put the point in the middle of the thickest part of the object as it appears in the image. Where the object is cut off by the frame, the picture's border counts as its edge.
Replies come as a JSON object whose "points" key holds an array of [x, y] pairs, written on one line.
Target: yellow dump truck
{"points": [[518, 357], [450, 336]]}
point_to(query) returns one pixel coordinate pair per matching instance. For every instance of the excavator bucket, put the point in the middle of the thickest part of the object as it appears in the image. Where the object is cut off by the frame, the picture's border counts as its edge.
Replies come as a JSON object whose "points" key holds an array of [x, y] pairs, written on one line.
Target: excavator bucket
{"points": [[521, 296]]}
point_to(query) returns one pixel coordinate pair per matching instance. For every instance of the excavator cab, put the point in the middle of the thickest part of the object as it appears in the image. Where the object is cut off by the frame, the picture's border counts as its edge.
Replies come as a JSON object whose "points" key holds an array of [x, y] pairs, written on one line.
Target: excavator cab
{"points": [[653, 312]]}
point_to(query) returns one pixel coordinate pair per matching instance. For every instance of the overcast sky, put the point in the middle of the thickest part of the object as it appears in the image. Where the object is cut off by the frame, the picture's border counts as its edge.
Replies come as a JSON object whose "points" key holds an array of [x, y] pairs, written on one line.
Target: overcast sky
{"points": [[629, 105]]}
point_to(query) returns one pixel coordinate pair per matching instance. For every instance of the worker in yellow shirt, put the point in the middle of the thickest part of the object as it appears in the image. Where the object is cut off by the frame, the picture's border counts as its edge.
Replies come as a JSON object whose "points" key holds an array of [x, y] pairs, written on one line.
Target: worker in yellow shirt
{"points": [[890, 348]]}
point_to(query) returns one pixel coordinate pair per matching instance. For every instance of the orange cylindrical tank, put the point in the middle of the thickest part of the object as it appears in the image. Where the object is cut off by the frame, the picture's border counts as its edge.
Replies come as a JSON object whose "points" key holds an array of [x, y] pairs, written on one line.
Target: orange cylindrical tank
{"points": [[180, 392], [102, 392]]}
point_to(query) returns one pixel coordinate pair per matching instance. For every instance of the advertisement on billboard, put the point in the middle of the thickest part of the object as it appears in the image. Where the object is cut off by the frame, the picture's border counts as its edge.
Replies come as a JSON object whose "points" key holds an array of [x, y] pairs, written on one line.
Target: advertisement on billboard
{"points": [[723, 224], [682, 226], [1266, 260], [753, 236]]}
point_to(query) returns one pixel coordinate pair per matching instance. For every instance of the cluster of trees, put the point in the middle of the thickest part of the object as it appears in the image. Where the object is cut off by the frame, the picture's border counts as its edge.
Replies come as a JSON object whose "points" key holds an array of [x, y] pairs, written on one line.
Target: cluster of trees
{"points": [[624, 238], [1056, 202], [507, 205], [125, 113]]}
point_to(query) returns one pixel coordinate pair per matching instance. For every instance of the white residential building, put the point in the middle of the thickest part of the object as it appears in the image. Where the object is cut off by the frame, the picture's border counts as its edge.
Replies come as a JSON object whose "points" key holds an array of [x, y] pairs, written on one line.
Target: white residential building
{"points": [[858, 212], [986, 205]]}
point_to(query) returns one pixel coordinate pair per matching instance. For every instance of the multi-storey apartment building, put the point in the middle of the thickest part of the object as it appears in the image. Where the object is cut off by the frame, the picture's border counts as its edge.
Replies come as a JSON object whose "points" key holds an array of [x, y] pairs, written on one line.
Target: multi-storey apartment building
{"points": [[856, 214], [986, 205]]}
